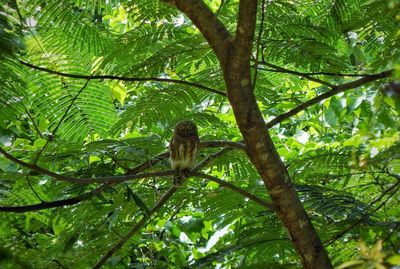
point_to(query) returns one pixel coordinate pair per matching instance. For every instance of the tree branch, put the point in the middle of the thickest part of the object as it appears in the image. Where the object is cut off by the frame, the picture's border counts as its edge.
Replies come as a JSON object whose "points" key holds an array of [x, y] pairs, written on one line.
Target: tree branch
{"points": [[243, 41], [131, 79], [164, 199], [284, 70], [222, 143], [36, 168], [335, 90], [137, 169], [203, 144], [84, 181], [238, 190], [208, 259], [131, 174], [58, 203], [148, 164], [133, 171], [136, 228], [287, 71], [120, 179], [207, 160]]}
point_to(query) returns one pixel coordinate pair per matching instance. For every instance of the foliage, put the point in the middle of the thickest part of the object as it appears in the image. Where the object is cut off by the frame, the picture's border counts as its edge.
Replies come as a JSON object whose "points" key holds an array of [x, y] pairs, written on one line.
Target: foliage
{"points": [[372, 258], [343, 153]]}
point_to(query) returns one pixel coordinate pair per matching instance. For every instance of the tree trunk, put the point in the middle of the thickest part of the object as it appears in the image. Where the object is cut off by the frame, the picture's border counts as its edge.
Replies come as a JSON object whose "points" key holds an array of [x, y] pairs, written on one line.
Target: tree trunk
{"points": [[234, 55]]}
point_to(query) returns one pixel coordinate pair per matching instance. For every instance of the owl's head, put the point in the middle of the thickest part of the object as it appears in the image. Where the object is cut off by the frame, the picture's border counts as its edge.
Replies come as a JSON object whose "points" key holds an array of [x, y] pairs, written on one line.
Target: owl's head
{"points": [[186, 128]]}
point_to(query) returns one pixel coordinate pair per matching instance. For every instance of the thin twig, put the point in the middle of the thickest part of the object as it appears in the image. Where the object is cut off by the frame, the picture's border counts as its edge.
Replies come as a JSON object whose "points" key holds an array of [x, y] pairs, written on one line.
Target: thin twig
{"points": [[287, 71], [34, 123], [364, 216], [279, 69], [84, 181], [167, 80], [258, 43], [36, 168], [137, 227], [148, 164], [240, 191], [53, 133], [213, 156], [172, 217], [22, 23], [70, 105], [214, 256], [220, 8], [59, 264], [58, 203], [222, 143], [33, 190]]}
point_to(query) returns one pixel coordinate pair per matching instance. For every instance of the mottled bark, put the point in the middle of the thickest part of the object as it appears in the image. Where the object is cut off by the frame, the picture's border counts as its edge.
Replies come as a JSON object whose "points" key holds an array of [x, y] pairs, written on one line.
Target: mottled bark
{"points": [[234, 56]]}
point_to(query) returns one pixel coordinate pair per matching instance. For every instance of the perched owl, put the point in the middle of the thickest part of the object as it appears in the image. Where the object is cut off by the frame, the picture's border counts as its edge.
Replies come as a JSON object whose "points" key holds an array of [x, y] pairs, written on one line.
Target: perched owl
{"points": [[183, 148]]}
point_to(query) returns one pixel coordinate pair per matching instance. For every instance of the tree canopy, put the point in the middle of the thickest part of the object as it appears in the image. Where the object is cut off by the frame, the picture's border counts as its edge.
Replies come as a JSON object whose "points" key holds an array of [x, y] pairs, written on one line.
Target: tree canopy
{"points": [[297, 105]]}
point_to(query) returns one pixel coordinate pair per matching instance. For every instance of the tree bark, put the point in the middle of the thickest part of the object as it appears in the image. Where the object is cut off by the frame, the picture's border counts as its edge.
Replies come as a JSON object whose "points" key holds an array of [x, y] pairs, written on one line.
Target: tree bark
{"points": [[234, 55]]}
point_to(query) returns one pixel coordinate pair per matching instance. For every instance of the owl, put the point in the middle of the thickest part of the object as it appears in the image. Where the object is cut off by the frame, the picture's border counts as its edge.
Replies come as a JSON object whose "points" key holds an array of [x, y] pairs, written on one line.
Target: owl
{"points": [[183, 148]]}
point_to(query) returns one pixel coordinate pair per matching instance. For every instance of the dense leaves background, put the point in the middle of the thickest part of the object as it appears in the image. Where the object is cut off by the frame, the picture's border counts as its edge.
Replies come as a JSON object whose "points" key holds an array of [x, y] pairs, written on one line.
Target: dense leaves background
{"points": [[343, 153]]}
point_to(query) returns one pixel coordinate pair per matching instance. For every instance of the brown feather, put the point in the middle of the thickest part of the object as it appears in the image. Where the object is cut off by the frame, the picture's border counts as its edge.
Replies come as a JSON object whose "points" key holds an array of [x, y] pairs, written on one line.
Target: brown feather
{"points": [[184, 146]]}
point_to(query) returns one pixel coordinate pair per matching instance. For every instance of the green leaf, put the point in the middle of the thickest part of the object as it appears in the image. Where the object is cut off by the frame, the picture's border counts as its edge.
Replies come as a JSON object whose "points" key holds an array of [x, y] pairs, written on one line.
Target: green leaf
{"points": [[119, 92], [139, 202], [39, 143], [394, 260], [331, 117], [386, 120]]}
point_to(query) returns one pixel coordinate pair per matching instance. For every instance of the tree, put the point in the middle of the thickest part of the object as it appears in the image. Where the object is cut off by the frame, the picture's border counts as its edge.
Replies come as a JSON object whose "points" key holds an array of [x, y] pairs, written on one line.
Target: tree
{"points": [[300, 98]]}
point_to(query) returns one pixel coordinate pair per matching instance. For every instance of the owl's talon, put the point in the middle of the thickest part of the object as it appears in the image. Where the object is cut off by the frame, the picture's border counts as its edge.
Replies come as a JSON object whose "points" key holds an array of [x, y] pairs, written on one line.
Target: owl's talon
{"points": [[180, 176], [185, 172], [178, 180]]}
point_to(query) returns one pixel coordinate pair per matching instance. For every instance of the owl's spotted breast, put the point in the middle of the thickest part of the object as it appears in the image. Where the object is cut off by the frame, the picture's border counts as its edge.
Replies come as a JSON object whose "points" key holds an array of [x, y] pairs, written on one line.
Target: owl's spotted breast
{"points": [[183, 154]]}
